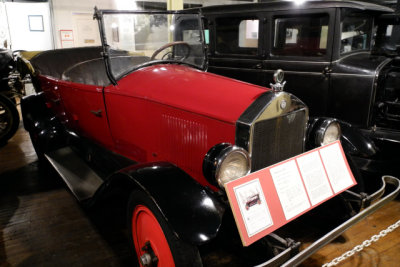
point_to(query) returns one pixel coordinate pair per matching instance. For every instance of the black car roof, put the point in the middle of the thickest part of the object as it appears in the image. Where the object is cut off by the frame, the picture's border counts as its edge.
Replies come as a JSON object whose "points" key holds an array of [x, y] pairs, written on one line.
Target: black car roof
{"points": [[291, 5]]}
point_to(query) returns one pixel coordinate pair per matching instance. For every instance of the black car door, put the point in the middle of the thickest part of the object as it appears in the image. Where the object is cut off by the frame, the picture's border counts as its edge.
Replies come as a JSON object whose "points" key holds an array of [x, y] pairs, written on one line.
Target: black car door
{"points": [[235, 48], [300, 43]]}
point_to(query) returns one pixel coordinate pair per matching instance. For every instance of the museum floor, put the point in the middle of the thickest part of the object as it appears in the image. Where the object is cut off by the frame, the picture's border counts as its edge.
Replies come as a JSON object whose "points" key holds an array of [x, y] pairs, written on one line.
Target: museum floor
{"points": [[41, 224]]}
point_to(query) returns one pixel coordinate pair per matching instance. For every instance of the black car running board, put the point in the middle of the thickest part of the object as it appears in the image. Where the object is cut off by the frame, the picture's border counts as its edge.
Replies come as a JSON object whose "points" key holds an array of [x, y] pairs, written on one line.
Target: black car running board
{"points": [[79, 177]]}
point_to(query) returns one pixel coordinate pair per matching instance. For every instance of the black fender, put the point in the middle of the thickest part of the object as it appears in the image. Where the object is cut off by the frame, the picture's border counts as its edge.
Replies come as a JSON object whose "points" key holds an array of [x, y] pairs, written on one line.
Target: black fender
{"points": [[33, 109], [193, 212], [38, 120], [354, 142]]}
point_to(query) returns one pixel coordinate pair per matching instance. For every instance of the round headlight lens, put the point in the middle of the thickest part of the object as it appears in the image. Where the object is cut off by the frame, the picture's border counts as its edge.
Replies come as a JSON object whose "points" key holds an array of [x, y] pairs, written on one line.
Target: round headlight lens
{"points": [[331, 133], [234, 163]]}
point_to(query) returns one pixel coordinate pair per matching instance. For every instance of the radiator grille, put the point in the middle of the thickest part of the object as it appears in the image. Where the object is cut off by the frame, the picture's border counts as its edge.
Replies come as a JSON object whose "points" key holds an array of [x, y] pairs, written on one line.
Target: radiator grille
{"points": [[277, 139]]}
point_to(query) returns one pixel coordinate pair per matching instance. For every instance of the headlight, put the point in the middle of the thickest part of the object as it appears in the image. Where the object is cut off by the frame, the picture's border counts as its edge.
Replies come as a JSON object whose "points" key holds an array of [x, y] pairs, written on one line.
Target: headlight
{"points": [[328, 132], [224, 163]]}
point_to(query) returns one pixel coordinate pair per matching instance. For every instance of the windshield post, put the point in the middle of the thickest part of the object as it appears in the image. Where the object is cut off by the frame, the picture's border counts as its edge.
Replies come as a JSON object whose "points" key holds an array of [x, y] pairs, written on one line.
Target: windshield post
{"points": [[203, 40], [99, 16]]}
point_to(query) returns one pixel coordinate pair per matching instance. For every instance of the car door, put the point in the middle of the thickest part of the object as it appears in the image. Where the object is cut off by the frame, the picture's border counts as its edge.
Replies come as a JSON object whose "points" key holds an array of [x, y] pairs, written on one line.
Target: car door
{"points": [[235, 46], [300, 43], [85, 107]]}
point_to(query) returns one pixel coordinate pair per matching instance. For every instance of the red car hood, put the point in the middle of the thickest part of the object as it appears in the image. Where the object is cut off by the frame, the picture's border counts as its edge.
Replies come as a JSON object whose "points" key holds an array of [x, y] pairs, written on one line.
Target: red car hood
{"points": [[192, 90]]}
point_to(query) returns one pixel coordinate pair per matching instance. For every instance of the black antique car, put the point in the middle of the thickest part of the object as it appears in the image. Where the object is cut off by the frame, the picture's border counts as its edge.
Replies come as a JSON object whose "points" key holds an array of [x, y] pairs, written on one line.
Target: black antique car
{"points": [[324, 47]]}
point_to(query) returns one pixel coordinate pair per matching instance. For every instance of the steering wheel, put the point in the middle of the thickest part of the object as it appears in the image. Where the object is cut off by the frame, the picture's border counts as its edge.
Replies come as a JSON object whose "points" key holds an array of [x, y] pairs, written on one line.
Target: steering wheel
{"points": [[169, 45]]}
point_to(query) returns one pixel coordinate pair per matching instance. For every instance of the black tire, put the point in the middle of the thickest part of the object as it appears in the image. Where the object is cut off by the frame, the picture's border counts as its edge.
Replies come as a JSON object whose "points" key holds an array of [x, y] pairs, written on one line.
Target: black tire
{"points": [[183, 254], [9, 119]]}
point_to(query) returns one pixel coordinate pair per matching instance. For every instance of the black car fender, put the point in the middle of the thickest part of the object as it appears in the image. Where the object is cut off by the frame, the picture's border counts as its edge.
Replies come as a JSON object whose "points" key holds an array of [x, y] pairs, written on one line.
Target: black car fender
{"points": [[33, 109], [354, 142], [38, 121], [193, 212]]}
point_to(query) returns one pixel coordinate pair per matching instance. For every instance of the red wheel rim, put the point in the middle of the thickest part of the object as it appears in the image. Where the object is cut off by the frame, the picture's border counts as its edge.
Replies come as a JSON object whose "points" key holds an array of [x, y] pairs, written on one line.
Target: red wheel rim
{"points": [[145, 228]]}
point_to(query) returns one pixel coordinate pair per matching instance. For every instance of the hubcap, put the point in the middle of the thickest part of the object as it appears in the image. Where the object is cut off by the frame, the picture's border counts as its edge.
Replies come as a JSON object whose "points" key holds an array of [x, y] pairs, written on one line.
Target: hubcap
{"points": [[146, 259]]}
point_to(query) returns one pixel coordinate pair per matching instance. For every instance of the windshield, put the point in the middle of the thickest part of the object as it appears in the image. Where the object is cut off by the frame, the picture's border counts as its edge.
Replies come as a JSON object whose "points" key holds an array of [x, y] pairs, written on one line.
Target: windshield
{"points": [[139, 39], [388, 35], [356, 32]]}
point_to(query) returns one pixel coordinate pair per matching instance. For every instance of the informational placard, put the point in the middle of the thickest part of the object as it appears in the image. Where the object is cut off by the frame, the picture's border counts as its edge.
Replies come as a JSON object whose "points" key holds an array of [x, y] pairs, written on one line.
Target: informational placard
{"points": [[67, 38], [253, 207], [266, 200], [314, 177], [290, 189]]}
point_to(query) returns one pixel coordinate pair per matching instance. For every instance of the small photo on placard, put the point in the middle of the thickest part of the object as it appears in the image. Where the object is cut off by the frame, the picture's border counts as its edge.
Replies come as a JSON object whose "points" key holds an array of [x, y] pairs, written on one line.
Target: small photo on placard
{"points": [[336, 168], [314, 177], [253, 207], [290, 189]]}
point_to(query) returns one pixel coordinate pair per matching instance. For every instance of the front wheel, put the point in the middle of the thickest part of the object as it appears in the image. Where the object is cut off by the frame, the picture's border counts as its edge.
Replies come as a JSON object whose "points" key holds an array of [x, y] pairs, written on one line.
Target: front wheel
{"points": [[9, 119], [154, 242]]}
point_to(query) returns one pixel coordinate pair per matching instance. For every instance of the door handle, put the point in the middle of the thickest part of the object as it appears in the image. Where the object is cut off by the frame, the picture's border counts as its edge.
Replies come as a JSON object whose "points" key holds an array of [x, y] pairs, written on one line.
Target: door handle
{"points": [[97, 113], [56, 101], [326, 71]]}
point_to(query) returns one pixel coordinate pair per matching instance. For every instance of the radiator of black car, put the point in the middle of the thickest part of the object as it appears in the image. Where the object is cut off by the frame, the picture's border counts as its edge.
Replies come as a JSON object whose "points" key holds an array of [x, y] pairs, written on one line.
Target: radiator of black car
{"points": [[273, 129]]}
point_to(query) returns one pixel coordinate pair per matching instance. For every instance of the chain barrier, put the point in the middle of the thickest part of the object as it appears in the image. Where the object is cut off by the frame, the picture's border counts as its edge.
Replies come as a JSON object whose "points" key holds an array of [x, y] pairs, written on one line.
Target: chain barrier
{"points": [[363, 245]]}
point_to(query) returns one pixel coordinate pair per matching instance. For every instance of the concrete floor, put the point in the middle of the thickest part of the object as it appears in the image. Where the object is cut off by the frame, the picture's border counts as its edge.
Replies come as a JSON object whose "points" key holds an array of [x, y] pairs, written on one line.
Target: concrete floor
{"points": [[41, 224]]}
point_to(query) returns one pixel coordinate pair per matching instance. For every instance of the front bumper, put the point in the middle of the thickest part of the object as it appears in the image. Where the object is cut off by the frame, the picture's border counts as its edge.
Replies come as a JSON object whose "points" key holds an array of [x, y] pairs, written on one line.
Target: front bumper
{"points": [[285, 259]]}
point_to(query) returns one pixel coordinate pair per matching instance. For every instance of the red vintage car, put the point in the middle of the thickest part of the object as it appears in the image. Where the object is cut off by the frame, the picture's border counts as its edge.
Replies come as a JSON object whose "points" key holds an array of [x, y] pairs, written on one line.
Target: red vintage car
{"points": [[140, 115]]}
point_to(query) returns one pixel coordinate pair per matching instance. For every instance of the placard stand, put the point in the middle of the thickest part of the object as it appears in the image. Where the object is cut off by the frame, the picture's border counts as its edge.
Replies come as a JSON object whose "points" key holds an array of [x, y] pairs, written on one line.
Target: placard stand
{"points": [[266, 200]]}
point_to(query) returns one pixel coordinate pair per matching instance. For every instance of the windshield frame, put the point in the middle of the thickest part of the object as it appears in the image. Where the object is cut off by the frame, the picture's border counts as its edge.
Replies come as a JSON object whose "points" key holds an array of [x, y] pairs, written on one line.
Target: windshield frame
{"points": [[98, 14], [381, 40]]}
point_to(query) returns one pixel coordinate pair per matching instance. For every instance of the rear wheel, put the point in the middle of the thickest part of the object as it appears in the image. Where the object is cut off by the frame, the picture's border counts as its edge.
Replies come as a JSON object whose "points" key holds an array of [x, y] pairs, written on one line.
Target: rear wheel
{"points": [[9, 119], [154, 242]]}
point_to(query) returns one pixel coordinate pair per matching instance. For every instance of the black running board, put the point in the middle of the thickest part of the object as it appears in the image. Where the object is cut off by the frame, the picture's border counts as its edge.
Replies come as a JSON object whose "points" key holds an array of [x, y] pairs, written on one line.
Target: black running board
{"points": [[79, 177]]}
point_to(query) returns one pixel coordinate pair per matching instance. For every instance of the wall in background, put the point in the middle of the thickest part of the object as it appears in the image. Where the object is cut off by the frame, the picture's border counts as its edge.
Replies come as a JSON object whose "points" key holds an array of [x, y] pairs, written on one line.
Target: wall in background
{"points": [[4, 34], [30, 26], [77, 17], [72, 21]]}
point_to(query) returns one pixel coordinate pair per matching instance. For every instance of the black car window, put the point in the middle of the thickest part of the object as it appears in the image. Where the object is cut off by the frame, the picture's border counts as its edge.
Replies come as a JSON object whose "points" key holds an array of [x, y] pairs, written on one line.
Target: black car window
{"points": [[237, 35], [356, 30], [301, 36]]}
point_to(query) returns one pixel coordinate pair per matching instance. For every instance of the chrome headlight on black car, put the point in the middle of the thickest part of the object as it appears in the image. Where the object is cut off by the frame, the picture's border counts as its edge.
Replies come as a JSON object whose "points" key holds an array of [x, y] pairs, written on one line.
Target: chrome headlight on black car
{"points": [[225, 163], [325, 131]]}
